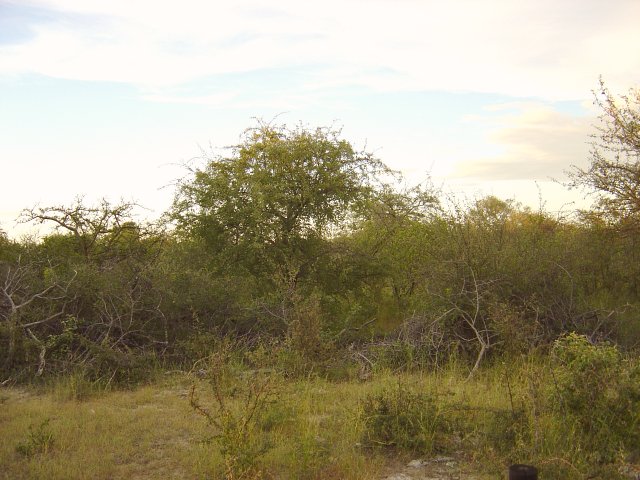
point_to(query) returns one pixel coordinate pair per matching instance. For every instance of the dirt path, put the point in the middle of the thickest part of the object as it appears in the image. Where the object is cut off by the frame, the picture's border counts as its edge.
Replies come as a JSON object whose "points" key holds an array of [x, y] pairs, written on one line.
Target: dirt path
{"points": [[436, 468]]}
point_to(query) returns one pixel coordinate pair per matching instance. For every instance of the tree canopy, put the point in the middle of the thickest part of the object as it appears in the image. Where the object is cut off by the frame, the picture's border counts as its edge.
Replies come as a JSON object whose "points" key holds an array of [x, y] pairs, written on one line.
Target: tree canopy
{"points": [[614, 171], [277, 193]]}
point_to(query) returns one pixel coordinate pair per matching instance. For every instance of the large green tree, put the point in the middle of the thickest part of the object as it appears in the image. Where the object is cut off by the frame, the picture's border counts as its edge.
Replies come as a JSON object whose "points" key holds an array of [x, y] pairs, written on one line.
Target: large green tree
{"points": [[268, 205], [266, 212]]}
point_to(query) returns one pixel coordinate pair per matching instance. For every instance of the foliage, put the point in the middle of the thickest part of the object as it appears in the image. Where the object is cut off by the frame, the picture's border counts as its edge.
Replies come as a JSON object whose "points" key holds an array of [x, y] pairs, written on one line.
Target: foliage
{"points": [[82, 297], [97, 230], [294, 256], [614, 172], [267, 210], [237, 429], [275, 196], [598, 391], [39, 440]]}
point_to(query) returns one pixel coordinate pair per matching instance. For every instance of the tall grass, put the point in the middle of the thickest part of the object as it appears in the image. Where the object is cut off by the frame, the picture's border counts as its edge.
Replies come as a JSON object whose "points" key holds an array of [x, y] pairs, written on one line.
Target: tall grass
{"points": [[313, 428]]}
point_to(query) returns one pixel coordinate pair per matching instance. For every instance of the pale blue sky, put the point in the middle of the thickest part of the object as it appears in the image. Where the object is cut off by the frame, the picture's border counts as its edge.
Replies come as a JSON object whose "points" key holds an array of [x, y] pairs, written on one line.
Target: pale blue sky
{"points": [[105, 99]]}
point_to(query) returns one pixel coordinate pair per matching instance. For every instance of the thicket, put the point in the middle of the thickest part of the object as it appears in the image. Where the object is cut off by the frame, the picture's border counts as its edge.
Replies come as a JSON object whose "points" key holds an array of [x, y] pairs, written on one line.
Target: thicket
{"points": [[396, 289], [311, 256]]}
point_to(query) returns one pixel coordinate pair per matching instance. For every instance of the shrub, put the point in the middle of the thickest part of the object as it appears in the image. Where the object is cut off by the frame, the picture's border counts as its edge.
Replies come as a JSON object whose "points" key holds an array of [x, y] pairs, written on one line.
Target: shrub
{"points": [[39, 440], [597, 390]]}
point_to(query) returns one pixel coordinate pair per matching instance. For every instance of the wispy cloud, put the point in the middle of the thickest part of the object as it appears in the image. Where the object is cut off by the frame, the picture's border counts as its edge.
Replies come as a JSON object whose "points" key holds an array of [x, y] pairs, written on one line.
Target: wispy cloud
{"points": [[537, 141], [539, 49]]}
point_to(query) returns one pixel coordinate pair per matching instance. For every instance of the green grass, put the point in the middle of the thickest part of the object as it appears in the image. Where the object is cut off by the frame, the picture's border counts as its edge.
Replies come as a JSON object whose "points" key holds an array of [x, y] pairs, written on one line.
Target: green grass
{"points": [[152, 432], [141, 434], [313, 429]]}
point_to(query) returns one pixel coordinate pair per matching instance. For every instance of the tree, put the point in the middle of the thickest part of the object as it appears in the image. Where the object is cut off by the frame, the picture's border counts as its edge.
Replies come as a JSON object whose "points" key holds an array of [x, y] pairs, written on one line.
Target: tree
{"points": [[86, 294], [269, 206], [614, 172], [267, 210], [100, 232], [7, 247], [395, 239]]}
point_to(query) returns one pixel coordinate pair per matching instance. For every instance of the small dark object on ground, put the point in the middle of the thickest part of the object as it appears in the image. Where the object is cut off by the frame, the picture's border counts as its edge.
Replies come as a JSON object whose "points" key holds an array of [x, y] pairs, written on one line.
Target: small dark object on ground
{"points": [[523, 472]]}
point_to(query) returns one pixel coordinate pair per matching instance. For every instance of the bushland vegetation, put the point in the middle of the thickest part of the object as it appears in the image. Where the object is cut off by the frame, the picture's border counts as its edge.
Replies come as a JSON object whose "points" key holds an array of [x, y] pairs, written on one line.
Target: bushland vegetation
{"points": [[295, 264]]}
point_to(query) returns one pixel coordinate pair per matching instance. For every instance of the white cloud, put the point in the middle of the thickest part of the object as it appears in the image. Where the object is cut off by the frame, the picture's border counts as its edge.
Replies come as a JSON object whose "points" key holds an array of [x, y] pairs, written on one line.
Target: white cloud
{"points": [[537, 142], [548, 49], [183, 53]]}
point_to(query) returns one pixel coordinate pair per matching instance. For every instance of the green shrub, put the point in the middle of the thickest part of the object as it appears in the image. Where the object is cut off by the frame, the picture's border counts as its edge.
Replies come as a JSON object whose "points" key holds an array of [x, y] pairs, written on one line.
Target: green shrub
{"points": [[39, 440], [103, 364], [597, 392], [405, 420]]}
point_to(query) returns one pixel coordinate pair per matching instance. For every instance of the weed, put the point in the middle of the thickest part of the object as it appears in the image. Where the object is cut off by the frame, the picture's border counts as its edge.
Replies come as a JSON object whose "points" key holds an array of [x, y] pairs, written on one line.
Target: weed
{"points": [[39, 440], [238, 422]]}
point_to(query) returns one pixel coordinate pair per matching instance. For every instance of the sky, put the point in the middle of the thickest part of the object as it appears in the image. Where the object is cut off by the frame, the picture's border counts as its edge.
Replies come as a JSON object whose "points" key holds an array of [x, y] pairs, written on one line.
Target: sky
{"points": [[109, 99]]}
